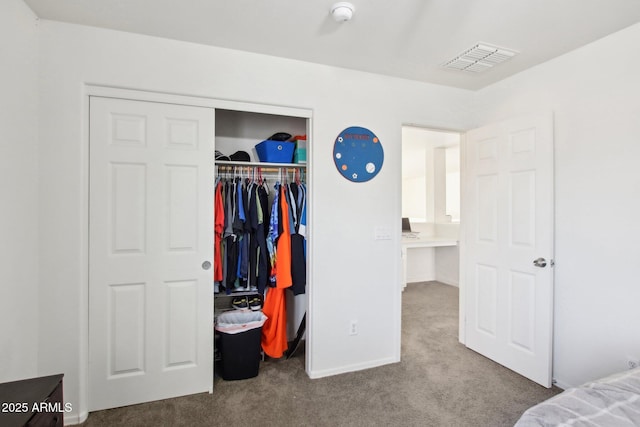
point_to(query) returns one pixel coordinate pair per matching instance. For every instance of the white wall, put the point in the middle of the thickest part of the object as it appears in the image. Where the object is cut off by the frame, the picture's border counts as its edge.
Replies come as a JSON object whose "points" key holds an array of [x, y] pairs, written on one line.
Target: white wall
{"points": [[421, 265], [18, 191], [343, 213], [594, 93], [447, 265], [597, 186]]}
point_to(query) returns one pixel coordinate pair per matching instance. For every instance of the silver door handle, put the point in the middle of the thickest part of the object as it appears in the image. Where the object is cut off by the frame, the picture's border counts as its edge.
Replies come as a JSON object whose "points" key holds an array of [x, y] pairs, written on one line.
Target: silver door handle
{"points": [[206, 265], [540, 262]]}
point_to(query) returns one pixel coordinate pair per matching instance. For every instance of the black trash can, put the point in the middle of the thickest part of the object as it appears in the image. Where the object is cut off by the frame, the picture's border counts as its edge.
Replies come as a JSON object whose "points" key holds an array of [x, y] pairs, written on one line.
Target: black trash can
{"points": [[239, 335]]}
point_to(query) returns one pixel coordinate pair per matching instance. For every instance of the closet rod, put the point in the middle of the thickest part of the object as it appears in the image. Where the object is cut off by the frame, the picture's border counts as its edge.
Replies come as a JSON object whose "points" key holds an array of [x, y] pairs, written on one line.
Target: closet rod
{"points": [[263, 165], [269, 169]]}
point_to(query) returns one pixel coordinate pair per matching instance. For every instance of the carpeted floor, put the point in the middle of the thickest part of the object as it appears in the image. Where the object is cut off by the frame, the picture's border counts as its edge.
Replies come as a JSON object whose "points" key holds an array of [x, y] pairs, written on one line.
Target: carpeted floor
{"points": [[438, 383]]}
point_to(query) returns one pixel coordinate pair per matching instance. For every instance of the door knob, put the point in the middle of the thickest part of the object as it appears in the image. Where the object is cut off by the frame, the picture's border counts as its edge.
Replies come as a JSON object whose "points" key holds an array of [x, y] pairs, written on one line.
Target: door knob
{"points": [[206, 265], [540, 262]]}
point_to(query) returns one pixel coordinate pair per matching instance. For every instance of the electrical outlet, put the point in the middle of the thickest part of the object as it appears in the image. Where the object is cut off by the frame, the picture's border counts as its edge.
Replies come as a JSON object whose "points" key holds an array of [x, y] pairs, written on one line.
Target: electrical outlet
{"points": [[353, 327], [632, 362]]}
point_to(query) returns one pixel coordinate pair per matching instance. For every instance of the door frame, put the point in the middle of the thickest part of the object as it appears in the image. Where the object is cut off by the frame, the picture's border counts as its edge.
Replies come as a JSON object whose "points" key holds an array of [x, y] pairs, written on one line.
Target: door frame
{"points": [[461, 281], [462, 246], [92, 90], [462, 236]]}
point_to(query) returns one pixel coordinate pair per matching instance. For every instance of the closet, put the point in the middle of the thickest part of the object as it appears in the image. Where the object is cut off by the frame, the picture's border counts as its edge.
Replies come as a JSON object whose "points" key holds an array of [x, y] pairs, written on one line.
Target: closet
{"points": [[260, 183], [151, 175]]}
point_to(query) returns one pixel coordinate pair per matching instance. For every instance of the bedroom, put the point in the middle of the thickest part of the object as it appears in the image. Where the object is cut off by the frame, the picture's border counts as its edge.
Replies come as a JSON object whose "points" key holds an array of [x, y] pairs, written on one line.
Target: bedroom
{"points": [[593, 92]]}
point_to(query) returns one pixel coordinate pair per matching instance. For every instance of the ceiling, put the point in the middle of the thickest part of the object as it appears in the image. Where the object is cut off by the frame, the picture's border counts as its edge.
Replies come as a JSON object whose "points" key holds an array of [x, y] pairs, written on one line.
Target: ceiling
{"points": [[409, 39]]}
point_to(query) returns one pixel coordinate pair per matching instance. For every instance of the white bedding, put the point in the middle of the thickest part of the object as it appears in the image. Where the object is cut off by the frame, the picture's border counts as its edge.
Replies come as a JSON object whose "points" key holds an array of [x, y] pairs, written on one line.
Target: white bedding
{"points": [[613, 401]]}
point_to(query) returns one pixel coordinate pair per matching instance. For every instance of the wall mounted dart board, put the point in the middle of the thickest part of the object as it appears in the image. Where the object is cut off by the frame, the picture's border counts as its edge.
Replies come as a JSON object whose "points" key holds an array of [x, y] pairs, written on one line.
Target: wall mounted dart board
{"points": [[358, 154]]}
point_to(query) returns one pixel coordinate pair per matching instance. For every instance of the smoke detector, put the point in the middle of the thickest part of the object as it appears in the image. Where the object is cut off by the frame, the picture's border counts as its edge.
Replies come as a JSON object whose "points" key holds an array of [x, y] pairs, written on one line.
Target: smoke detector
{"points": [[480, 57], [342, 11]]}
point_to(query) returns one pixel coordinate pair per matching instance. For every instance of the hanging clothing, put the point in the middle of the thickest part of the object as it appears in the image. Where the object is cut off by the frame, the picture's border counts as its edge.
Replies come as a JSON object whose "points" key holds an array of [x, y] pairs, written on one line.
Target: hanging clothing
{"points": [[302, 201], [244, 239], [273, 234], [298, 247], [219, 230], [229, 208], [283, 251], [259, 242], [252, 224], [274, 330], [232, 252], [261, 238], [230, 244]]}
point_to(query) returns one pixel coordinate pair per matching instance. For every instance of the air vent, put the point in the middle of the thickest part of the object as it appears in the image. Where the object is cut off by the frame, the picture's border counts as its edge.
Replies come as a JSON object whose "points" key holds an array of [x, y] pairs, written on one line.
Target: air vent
{"points": [[479, 58]]}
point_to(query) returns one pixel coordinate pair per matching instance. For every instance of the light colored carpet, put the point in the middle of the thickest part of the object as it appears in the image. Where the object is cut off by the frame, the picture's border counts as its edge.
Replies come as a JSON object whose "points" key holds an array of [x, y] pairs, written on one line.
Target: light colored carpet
{"points": [[439, 382]]}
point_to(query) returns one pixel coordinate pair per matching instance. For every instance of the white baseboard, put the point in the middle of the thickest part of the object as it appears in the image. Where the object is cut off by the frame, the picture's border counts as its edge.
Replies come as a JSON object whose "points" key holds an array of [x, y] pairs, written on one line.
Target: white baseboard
{"points": [[416, 278], [561, 384], [74, 418], [448, 281], [353, 368]]}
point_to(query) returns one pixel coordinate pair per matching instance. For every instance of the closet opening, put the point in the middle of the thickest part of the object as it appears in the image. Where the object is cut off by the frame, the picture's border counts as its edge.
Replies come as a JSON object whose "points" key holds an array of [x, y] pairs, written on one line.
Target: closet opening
{"points": [[255, 268], [430, 205]]}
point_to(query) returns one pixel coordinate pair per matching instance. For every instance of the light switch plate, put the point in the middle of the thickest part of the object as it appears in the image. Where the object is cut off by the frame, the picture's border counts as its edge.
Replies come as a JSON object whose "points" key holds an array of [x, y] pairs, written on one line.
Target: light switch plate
{"points": [[382, 233]]}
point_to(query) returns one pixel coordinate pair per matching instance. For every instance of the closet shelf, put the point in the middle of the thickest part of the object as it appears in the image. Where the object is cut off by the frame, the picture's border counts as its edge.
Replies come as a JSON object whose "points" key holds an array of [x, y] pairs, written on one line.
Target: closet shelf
{"points": [[261, 164], [235, 294]]}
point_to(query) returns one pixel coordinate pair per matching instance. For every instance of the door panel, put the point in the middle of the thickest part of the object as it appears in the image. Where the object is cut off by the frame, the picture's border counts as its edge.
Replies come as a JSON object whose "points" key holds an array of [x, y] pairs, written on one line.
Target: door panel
{"points": [[127, 194], [509, 223], [126, 326], [521, 214], [487, 203], [486, 299], [181, 345], [522, 311], [182, 208], [150, 229]]}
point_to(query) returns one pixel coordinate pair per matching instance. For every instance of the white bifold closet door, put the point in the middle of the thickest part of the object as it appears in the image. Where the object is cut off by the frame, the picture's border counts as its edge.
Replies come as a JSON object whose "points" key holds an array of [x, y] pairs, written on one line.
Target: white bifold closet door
{"points": [[150, 251]]}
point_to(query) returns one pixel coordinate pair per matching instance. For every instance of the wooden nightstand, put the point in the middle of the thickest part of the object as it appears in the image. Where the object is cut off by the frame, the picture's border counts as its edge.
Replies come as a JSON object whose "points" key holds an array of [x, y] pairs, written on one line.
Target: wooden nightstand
{"points": [[36, 402]]}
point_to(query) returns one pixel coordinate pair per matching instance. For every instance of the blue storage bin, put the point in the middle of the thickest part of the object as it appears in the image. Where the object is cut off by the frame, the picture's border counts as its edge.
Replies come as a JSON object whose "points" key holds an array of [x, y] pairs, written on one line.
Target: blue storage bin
{"points": [[275, 151]]}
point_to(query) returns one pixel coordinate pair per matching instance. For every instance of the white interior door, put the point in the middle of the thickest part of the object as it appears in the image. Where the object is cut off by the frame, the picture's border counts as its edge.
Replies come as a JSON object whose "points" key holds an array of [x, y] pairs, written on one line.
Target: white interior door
{"points": [[508, 225], [150, 231]]}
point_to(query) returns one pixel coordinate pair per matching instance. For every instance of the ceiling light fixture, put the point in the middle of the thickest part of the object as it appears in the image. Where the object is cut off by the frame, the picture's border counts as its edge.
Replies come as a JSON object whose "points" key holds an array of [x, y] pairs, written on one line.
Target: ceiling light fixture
{"points": [[342, 11]]}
